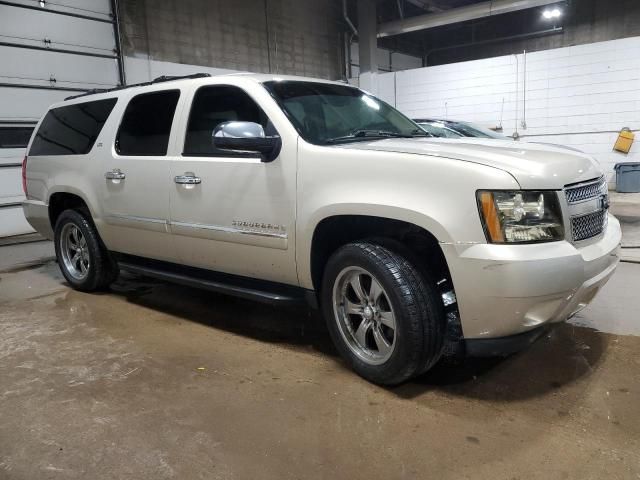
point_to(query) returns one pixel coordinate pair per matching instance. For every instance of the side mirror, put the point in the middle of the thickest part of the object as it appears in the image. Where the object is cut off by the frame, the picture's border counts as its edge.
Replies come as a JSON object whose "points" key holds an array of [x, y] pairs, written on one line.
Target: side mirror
{"points": [[246, 137]]}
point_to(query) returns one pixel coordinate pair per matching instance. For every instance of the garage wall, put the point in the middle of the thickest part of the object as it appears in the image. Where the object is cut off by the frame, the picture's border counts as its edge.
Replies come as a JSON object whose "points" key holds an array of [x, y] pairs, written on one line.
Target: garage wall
{"points": [[141, 70], [48, 51], [579, 96], [299, 37], [388, 61]]}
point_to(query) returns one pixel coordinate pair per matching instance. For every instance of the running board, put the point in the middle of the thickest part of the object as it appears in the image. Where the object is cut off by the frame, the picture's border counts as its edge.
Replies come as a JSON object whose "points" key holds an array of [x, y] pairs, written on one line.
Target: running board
{"points": [[234, 285]]}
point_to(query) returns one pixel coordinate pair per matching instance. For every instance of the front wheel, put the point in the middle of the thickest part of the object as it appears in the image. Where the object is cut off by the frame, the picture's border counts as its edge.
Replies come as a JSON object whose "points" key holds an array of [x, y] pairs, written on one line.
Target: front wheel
{"points": [[384, 317], [83, 259]]}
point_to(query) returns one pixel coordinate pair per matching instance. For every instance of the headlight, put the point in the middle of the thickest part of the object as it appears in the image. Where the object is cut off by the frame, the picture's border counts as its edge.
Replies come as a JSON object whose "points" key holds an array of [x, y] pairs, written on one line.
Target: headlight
{"points": [[520, 217]]}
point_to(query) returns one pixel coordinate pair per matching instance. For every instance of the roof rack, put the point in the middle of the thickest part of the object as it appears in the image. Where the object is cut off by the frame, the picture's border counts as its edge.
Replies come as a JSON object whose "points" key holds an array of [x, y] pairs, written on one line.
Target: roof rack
{"points": [[160, 79]]}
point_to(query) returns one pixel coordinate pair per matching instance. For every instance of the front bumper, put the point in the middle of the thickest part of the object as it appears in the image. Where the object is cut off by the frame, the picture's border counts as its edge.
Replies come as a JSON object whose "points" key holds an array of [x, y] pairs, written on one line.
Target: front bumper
{"points": [[503, 346], [505, 290]]}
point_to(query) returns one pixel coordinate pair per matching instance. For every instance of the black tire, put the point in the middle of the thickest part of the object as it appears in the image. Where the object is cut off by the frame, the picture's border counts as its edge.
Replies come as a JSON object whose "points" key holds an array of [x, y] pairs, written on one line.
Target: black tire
{"points": [[102, 269], [419, 314]]}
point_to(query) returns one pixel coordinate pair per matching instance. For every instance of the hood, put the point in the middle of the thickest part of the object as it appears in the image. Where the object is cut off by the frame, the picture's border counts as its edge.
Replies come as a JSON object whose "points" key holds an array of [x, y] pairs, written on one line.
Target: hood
{"points": [[534, 166]]}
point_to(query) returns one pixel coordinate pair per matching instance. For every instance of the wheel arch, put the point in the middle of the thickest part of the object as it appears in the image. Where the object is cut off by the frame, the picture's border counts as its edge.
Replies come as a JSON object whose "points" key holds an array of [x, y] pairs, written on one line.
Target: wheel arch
{"points": [[332, 231], [63, 199]]}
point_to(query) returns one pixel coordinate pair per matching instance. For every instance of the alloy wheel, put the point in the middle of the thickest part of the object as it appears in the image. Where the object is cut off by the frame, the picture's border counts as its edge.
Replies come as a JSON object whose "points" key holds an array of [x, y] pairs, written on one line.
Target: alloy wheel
{"points": [[364, 315]]}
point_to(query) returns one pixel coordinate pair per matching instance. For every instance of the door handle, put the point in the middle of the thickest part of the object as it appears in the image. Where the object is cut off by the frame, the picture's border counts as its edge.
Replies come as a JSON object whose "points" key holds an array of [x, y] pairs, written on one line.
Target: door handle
{"points": [[115, 174], [187, 180]]}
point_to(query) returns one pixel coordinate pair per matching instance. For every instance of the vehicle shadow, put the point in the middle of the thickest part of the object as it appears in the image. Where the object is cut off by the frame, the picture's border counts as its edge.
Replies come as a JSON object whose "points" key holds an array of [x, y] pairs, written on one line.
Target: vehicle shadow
{"points": [[296, 327], [562, 357]]}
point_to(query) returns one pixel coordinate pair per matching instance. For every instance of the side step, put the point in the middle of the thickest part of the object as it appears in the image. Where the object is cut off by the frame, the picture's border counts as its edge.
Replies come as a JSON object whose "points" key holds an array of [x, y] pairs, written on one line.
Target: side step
{"points": [[237, 286]]}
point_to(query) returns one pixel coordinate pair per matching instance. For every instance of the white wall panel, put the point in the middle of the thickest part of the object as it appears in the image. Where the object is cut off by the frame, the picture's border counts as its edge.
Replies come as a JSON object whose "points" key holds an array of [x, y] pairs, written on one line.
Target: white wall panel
{"points": [[13, 222], [35, 67], [18, 25], [91, 8], [10, 156], [578, 96], [28, 104], [11, 185]]}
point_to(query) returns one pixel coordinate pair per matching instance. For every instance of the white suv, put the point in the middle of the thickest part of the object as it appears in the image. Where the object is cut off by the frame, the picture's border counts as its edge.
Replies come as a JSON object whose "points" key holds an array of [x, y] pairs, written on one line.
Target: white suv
{"points": [[282, 189]]}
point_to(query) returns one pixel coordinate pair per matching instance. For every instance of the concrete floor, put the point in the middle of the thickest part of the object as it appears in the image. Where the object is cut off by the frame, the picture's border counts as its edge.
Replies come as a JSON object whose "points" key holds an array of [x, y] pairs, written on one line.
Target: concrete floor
{"points": [[153, 380], [626, 206]]}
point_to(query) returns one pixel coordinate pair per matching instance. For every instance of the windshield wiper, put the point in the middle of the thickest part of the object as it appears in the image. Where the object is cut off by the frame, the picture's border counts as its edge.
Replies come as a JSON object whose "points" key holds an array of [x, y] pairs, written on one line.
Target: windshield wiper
{"points": [[364, 134], [418, 132]]}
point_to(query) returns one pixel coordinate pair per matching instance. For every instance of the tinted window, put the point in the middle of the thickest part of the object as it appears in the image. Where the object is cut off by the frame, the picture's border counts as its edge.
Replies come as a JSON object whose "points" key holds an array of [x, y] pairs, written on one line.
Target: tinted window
{"points": [[71, 130], [325, 113], [146, 124], [15, 137], [214, 105], [471, 130], [438, 129]]}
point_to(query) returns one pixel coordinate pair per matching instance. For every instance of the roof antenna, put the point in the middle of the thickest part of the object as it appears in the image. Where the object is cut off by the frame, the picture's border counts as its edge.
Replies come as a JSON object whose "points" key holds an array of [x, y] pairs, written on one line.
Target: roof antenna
{"points": [[446, 110], [501, 114]]}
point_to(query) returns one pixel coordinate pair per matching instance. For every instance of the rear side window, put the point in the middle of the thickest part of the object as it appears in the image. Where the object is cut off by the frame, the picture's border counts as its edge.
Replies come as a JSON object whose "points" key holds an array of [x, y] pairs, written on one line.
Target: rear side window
{"points": [[146, 124], [71, 130], [15, 137]]}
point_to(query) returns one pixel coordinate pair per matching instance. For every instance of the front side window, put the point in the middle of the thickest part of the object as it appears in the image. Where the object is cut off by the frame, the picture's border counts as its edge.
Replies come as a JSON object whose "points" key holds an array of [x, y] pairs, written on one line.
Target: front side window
{"points": [[146, 124], [214, 105], [325, 113], [72, 129]]}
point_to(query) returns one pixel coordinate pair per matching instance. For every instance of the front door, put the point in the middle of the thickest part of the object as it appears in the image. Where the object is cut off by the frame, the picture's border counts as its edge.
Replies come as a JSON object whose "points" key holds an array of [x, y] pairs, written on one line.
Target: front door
{"points": [[235, 214], [135, 181]]}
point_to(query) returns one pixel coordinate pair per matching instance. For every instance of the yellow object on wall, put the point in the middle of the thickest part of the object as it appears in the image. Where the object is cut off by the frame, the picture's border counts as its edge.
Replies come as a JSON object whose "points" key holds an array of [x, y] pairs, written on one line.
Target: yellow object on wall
{"points": [[624, 141]]}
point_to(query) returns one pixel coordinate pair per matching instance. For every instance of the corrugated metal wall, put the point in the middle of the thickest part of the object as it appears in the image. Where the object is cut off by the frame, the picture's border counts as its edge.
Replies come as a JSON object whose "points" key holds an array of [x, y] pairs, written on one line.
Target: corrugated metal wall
{"points": [[299, 37]]}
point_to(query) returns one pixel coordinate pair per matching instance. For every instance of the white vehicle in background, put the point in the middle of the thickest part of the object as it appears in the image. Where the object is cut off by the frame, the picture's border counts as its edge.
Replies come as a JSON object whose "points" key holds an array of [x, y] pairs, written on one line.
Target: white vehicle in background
{"points": [[457, 129], [280, 189]]}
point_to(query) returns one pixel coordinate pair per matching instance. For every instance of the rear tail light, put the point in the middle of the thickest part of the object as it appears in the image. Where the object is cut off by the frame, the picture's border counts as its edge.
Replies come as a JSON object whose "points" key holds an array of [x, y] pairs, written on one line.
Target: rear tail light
{"points": [[24, 175]]}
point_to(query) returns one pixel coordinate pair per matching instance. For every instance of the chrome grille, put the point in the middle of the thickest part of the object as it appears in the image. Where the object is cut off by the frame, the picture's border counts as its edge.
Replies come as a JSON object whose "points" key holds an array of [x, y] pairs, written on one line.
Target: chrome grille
{"points": [[587, 206], [588, 225], [586, 191]]}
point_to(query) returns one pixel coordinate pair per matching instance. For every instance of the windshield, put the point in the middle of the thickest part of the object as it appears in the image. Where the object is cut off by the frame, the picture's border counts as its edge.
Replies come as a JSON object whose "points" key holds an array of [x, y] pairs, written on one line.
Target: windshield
{"points": [[438, 129], [325, 113], [471, 130]]}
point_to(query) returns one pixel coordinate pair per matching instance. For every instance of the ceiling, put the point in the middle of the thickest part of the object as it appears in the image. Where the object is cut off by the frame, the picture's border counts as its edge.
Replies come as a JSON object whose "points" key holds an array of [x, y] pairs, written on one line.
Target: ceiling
{"points": [[481, 31], [390, 9]]}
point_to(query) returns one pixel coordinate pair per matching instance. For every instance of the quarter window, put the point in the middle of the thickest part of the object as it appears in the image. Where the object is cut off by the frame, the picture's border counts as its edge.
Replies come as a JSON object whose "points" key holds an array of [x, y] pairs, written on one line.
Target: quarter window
{"points": [[72, 129], [146, 124], [213, 106]]}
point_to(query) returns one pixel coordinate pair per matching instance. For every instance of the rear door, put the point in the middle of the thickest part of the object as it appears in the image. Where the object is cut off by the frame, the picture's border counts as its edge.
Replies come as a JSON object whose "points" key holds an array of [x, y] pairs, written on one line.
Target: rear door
{"points": [[135, 179], [240, 217]]}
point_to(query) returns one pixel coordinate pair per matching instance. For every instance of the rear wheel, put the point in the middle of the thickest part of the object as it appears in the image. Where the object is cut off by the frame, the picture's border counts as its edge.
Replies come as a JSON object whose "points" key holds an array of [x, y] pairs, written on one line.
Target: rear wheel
{"points": [[385, 318], [82, 257]]}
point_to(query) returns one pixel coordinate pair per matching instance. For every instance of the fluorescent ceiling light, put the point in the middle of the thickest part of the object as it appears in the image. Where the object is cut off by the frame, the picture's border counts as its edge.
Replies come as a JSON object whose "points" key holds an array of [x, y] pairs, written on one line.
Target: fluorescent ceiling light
{"points": [[552, 13]]}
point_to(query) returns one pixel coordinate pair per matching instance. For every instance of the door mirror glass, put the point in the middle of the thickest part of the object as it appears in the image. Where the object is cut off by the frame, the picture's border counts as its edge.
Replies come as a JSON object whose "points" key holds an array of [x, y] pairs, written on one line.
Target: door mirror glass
{"points": [[246, 137]]}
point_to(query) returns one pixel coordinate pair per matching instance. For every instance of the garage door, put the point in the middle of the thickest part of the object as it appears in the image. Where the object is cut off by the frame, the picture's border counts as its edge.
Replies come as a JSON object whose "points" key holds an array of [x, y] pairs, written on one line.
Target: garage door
{"points": [[48, 51]]}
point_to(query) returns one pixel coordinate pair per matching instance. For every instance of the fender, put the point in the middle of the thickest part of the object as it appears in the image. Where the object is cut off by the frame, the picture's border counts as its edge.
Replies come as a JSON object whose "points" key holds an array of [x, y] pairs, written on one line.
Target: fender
{"points": [[307, 230]]}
